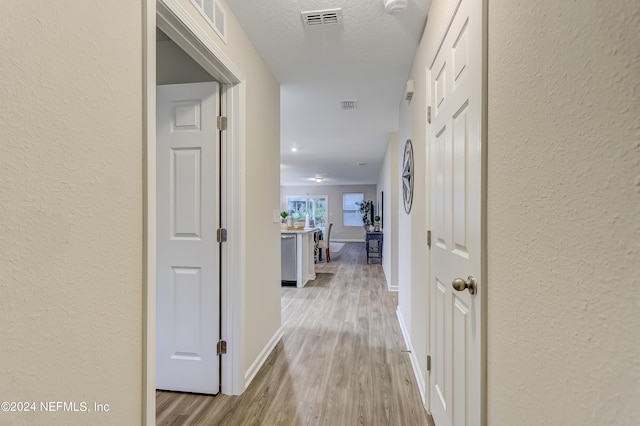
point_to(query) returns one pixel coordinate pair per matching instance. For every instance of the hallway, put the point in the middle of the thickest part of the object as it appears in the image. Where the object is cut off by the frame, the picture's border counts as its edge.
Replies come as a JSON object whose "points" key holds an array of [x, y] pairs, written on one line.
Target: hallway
{"points": [[341, 360]]}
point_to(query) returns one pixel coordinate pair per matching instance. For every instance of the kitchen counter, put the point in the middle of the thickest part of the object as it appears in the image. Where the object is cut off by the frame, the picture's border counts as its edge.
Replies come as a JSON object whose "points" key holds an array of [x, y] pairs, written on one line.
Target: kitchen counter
{"points": [[305, 248]]}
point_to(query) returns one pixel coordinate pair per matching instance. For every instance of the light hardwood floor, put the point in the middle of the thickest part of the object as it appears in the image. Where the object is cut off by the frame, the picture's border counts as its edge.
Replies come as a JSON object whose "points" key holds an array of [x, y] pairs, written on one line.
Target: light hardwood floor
{"points": [[342, 360]]}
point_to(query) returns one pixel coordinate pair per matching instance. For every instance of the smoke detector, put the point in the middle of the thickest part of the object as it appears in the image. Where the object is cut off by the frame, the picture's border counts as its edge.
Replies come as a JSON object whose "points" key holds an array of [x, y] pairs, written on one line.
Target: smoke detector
{"points": [[395, 6]]}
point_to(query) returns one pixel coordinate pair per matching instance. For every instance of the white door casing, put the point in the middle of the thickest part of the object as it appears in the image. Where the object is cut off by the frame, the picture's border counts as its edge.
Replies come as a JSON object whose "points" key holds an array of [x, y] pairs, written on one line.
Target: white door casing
{"points": [[455, 134], [188, 257]]}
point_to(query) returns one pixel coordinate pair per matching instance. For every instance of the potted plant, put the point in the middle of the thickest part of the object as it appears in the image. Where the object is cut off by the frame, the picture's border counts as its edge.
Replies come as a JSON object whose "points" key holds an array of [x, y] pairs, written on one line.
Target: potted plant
{"points": [[286, 218], [376, 223], [366, 211]]}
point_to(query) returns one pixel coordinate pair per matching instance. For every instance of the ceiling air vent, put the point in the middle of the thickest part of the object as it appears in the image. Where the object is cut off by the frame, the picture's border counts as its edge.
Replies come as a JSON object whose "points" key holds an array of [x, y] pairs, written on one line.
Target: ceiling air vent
{"points": [[348, 105], [321, 17]]}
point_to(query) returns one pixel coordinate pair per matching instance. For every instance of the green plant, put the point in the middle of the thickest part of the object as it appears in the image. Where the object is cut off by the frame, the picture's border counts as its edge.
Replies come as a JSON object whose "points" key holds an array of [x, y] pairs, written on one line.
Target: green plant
{"points": [[284, 214], [376, 218], [366, 210]]}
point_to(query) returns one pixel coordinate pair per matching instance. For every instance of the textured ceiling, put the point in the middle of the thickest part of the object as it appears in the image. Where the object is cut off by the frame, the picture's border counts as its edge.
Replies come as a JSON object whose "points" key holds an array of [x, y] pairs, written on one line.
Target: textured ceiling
{"points": [[366, 57]]}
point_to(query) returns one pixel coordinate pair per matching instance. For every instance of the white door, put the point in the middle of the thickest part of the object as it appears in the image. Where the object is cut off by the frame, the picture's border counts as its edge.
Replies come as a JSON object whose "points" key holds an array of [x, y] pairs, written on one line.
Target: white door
{"points": [[188, 278], [455, 96]]}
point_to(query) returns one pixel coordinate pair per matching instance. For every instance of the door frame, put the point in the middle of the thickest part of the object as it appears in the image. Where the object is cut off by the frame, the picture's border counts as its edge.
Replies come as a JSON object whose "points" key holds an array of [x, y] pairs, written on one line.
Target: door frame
{"points": [[179, 25], [433, 51]]}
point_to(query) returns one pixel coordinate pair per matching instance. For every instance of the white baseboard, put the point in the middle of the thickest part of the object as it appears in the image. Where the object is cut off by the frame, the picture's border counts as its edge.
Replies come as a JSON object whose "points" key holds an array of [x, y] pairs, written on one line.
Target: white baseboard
{"points": [[412, 355], [262, 357], [347, 240], [390, 287]]}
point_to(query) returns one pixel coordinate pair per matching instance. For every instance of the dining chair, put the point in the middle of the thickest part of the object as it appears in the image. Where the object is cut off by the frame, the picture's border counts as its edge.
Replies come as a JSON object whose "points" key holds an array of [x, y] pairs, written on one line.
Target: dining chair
{"points": [[324, 243]]}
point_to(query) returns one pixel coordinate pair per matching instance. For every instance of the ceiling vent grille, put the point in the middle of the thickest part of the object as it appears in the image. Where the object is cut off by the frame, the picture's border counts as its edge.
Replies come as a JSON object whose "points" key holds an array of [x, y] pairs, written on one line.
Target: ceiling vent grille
{"points": [[321, 17], [348, 105]]}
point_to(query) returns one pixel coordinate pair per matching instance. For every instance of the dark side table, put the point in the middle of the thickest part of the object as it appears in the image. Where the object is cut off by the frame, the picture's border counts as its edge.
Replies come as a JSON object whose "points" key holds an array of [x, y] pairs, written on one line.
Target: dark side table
{"points": [[374, 245]]}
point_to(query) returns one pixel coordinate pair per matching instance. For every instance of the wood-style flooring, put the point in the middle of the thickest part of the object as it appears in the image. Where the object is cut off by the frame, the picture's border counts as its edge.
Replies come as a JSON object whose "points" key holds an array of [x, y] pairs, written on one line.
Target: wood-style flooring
{"points": [[342, 360]]}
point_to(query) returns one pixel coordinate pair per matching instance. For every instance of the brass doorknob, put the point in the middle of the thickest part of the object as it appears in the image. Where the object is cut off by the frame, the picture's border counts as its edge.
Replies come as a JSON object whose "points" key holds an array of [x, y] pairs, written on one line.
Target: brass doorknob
{"points": [[459, 284]]}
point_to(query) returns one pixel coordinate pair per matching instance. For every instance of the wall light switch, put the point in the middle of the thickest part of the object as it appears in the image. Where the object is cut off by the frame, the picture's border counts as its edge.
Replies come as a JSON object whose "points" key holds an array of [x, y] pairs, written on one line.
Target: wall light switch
{"points": [[276, 216]]}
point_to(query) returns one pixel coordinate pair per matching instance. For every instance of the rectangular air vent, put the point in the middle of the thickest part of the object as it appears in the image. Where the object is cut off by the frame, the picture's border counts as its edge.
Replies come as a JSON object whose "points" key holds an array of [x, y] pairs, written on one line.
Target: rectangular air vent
{"points": [[348, 105], [408, 94], [214, 14], [321, 17], [220, 22]]}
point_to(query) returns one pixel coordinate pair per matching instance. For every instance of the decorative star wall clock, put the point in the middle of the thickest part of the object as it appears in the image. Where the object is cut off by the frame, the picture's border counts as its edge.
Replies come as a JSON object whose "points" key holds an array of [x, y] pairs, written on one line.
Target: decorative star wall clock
{"points": [[407, 176]]}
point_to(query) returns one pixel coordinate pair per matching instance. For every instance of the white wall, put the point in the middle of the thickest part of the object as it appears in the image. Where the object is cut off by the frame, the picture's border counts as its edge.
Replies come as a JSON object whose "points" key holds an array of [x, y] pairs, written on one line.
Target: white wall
{"points": [[388, 182], [71, 197], [564, 213], [334, 192], [71, 205], [413, 260]]}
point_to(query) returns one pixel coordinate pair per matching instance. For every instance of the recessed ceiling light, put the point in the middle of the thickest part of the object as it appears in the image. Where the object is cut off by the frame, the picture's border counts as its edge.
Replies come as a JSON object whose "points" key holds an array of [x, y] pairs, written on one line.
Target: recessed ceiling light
{"points": [[318, 179], [294, 149], [361, 164]]}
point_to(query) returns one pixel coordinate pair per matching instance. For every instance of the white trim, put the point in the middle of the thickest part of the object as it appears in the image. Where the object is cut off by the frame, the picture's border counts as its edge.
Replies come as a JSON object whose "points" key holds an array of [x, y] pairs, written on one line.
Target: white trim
{"points": [[393, 287], [149, 224], [180, 26], [420, 380], [232, 262], [427, 205], [262, 357], [483, 218], [348, 240]]}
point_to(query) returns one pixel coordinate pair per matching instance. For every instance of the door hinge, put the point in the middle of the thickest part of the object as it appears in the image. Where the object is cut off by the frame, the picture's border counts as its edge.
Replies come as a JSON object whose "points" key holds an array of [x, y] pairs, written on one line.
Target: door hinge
{"points": [[222, 123], [429, 238], [429, 115], [428, 362], [221, 347], [221, 235]]}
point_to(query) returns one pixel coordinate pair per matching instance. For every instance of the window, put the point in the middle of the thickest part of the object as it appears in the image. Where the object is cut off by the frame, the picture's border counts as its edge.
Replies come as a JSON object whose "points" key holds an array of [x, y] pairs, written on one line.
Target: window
{"points": [[317, 204], [351, 208]]}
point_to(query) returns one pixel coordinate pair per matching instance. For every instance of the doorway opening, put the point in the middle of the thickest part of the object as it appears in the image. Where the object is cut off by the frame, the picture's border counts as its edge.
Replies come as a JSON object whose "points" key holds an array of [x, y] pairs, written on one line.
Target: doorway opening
{"points": [[176, 23]]}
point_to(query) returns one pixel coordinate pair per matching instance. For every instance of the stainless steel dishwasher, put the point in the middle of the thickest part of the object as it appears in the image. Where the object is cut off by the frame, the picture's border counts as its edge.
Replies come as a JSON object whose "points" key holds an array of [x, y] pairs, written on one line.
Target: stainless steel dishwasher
{"points": [[288, 259]]}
